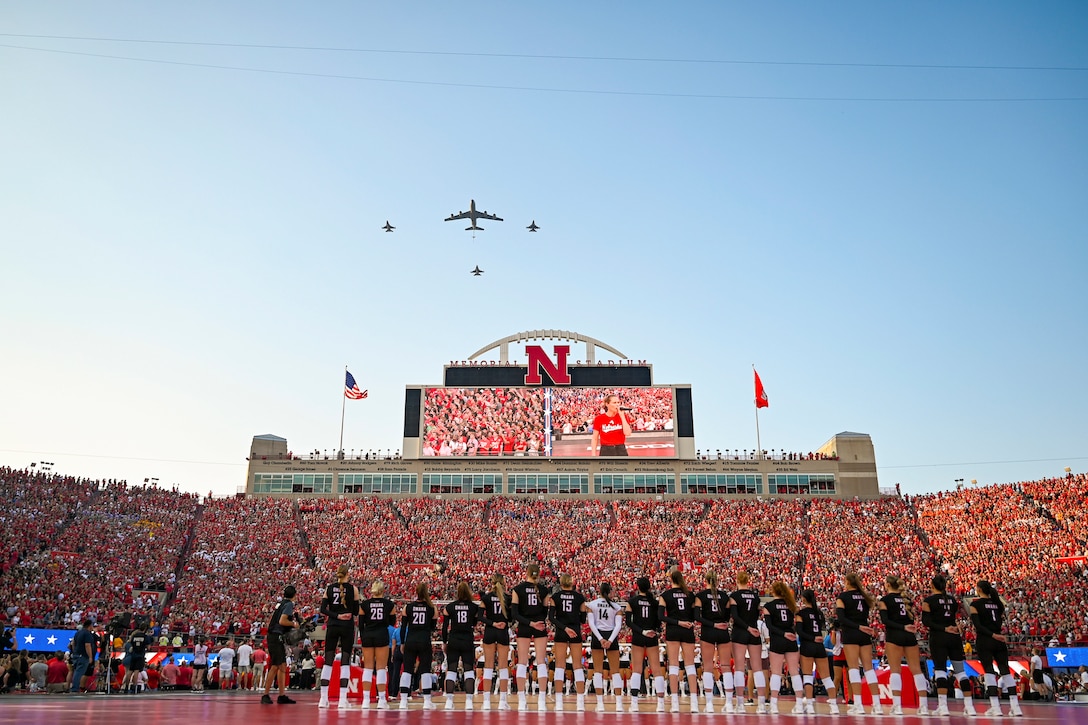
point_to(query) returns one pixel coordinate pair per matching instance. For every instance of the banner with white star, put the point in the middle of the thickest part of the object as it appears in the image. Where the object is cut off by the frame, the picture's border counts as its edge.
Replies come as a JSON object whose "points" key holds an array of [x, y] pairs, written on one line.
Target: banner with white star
{"points": [[1067, 656], [43, 640]]}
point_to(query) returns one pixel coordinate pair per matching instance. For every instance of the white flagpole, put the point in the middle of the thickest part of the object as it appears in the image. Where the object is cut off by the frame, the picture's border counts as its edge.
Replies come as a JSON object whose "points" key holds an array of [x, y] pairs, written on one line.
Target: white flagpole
{"points": [[343, 405], [759, 446]]}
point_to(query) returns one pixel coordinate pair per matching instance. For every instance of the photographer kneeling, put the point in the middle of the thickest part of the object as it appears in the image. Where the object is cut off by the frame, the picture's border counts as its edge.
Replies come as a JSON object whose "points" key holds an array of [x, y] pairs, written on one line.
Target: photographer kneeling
{"points": [[283, 621]]}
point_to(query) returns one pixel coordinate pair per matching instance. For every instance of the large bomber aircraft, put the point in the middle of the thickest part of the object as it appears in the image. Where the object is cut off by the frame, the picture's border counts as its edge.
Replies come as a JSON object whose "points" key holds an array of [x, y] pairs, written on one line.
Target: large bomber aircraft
{"points": [[472, 215]]}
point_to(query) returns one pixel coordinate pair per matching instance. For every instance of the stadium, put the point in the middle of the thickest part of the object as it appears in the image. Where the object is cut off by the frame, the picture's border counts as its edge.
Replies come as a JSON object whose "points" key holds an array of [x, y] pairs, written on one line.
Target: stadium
{"points": [[496, 472]]}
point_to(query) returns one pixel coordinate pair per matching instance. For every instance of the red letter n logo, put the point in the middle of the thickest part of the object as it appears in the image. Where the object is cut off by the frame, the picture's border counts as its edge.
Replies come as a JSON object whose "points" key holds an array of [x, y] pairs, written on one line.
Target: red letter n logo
{"points": [[539, 361]]}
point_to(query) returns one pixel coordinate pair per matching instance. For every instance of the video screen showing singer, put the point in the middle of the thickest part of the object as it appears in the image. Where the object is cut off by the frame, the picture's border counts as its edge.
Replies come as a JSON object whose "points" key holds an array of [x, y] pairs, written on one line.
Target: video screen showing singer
{"points": [[610, 429]]}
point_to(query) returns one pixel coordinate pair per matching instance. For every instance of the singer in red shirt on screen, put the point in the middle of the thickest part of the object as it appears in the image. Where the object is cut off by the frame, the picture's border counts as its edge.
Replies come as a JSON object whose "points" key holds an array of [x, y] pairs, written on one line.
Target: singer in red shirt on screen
{"points": [[610, 429]]}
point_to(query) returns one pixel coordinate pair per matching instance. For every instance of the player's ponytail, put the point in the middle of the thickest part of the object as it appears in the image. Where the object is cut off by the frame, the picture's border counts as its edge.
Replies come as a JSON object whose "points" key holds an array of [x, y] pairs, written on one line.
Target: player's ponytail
{"points": [[940, 583], [498, 586], [677, 578], [423, 594], [605, 590], [809, 598], [782, 590], [855, 581], [989, 591], [464, 591], [711, 578]]}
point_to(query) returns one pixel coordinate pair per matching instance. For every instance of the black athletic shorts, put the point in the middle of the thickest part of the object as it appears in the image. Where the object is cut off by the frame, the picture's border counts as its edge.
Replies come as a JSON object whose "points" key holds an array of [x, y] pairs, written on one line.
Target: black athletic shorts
{"points": [[781, 645], [676, 633], [855, 637], [342, 636], [277, 653], [595, 643], [944, 646], [638, 639], [813, 650], [493, 635], [374, 638], [562, 636], [713, 635], [989, 651], [137, 663], [417, 658], [741, 635], [901, 638], [460, 651], [527, 632]]}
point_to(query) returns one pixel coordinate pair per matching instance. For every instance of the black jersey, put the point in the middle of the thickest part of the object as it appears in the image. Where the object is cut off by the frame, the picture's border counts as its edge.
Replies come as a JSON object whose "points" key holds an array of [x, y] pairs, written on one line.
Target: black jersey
{"points": [[679, 605], [418, 623], [460, 620], [138, 643], [643, 615], [567, 609], [942, 613], [713, 607], [339, 599], [377, 614], [810, 628], [898, 613], [855, 610], [779, 618], [531, 606], [745, 609], [493, 607], [990, 616]]}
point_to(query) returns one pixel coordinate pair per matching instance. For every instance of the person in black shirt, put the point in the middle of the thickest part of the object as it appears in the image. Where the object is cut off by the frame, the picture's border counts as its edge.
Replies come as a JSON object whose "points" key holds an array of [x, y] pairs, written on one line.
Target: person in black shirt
{"points": [[645, 624], [810, 633], [376, 615], [458, 633], [897, 615], [416, 626], [988, 616], [712, 611], [137, 653], [852, 608], [939, 612], [678, 605], [338, 606], [567, 613], [780, 618], [744, 609], [530, 604], [283, 619], [497, 607]]}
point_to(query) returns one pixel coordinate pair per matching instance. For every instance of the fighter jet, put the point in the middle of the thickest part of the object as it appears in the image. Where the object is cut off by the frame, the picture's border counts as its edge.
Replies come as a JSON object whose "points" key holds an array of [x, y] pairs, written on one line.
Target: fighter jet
{"points": [[477, 271], [472, 215], [388, 227], [533, 227]]}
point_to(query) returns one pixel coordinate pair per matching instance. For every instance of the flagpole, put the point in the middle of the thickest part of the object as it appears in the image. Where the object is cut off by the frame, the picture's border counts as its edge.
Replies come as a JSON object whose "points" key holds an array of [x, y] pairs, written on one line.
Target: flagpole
{"points": [[343, 405], [759, 446]]}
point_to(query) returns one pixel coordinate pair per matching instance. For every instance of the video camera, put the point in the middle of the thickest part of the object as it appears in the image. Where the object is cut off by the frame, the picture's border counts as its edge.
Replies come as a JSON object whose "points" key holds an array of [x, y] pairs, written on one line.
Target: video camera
{"points": [[294, 637]]}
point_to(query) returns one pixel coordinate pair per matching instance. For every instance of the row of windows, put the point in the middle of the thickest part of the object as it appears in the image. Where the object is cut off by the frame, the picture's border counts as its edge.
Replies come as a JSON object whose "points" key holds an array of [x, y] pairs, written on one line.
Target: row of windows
{"points": [[547, 483]]}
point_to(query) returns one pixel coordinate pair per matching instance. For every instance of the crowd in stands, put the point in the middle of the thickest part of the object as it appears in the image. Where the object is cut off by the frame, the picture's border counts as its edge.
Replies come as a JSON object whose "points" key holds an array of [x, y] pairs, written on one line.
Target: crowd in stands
{"points": [[483, 421], [91, 547]]}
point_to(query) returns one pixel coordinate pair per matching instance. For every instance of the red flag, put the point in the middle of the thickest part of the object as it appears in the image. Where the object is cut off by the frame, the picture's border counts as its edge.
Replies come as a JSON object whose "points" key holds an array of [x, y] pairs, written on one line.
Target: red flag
{"points": [[761, 394]]}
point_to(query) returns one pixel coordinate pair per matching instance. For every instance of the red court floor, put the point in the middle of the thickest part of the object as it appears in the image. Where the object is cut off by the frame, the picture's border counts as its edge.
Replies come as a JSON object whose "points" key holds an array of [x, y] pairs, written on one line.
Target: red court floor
{"points": [[193, 709]]}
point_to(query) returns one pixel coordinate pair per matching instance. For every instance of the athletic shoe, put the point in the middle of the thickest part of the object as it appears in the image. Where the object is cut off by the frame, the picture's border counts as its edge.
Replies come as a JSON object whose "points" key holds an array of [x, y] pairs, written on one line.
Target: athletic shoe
{"points": [[429, 705], [487, 704], [541, 704], [833, 708], [504, 705], [993, 712], [761, 709], [729, 709], [266, 700], [323, 702], [969, 711], [876, 709], [798, 708], [772, 707], [284, 700], [1015, 711], [675, 706], [923, 712], [856, 708], [383, 704], [601, 707], [942, 710], [810, 707], [634, 705], [896, 710], [468, 703]]}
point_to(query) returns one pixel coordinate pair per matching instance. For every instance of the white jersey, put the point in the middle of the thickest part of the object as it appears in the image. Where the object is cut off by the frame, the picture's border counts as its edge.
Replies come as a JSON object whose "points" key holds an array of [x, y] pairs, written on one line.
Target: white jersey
{"points": [[226, 658], [605, 617], [245, 653]]}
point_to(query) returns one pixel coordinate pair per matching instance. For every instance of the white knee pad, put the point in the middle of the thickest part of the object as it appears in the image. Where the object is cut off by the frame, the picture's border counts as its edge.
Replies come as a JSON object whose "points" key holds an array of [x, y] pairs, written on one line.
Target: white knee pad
{"points": [[542, 671], [579, 675], [406, 680], [383, 677], [708, 681], [1007, 681], [738, 680], [798, 684], [674, 670], [760, 679], [617, 683], [659, 686], [895, 680], [489, 673], [776, 684], [939, 674], [870, 676], [962, 677], [727, 681], [598, 681], [829, 684], [451, 676], [560, 675], [636, 681], [504, 674], [920, 683], [807, 680], [522, 671], [991, 679], [368, 675], [689, 670], [855, 677]]}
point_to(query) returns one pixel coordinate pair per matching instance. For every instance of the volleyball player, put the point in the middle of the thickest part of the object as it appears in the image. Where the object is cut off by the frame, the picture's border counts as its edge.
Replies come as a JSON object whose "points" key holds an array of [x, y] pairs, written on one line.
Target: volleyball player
{"points": [[645, 622], [338, 606], [678, 604], [605, 621], [939, 614], [416, 628], [744, 609], [458, 633], [530, 605], [376, 615], [712, 611], [852, 608], [497, 607], [810, 633], [567, 612], [897, 615], [988, 616], [780, 617]]}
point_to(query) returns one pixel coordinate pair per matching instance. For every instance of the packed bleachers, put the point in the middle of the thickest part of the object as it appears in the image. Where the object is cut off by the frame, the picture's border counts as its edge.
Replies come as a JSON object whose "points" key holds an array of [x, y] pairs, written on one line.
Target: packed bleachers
{"points": [[84, 547]]}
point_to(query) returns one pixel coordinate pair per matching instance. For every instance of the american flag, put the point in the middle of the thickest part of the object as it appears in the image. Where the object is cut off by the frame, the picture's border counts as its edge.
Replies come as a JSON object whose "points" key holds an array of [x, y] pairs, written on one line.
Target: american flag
{"points": [[351, 389]]}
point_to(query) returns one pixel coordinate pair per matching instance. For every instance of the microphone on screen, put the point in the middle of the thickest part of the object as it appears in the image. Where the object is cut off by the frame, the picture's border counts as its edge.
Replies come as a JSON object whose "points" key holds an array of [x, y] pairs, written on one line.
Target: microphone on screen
{"points": [[625, 409]]}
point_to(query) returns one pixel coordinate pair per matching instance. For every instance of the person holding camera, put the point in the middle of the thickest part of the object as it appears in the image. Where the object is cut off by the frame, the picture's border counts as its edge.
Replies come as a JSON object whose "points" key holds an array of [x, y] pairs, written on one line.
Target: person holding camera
{"points": [[83, 647], [283, 620]]}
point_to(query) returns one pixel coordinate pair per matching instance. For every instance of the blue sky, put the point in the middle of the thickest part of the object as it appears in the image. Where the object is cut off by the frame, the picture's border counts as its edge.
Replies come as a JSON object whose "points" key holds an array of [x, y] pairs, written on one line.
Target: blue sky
{"points": [[191, 253]]}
